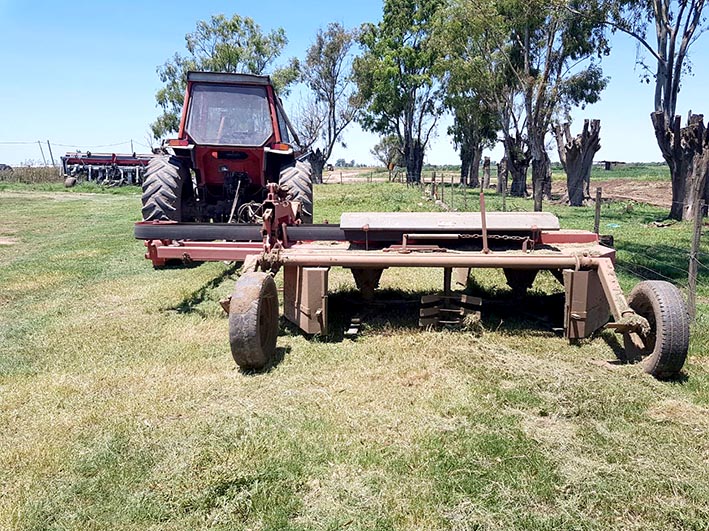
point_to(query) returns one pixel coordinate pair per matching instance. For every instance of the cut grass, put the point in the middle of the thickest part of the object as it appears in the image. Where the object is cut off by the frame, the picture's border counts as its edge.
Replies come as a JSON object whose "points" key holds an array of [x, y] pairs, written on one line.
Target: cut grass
{"points": [[120, 406]]}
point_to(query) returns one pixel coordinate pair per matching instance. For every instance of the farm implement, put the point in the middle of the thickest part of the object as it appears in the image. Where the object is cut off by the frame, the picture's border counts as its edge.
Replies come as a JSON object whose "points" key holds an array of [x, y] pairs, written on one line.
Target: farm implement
{"points": [[235, 187], [652, 320], [107, 169]]}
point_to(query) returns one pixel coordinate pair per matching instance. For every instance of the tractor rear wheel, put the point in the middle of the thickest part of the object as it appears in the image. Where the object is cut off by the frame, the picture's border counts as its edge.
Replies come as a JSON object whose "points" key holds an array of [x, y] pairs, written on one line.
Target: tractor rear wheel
{"points": [[296, 179], [165, 178], [667, 344], [253, 321]]}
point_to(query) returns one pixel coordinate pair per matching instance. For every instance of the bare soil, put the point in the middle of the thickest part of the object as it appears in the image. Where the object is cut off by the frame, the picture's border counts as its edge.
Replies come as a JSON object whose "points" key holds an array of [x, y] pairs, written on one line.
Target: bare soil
{"points": [[657, 193]]}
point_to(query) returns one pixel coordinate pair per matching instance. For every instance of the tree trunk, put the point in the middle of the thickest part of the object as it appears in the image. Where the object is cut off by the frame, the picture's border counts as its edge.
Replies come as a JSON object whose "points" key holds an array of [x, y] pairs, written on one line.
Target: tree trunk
{"points": [[502, 176], [576, 156], [413, 154], [546, 185], [517, 164], [486, 172], [540, 170], [474, 178], [317, 162], [465, 160], [684, 149]]}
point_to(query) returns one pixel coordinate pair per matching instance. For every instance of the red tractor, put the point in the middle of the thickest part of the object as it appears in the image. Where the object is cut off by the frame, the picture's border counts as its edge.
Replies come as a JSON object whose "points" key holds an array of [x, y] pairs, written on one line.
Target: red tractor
{"points": [[233, 141]]}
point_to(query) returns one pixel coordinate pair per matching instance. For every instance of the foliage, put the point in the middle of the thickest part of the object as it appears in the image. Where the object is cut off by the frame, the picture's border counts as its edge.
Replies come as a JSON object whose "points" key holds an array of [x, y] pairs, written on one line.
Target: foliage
{"points": [[388, 151], [396, 80], [677, 26], [543, 52], [221, 44], [327, 73]]}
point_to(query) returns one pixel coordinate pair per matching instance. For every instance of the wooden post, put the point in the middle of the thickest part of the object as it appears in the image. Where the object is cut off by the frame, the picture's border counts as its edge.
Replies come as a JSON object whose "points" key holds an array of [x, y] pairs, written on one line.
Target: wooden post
{"points": [[504, 195], [597, 219], [340, 177], [694, 261]]}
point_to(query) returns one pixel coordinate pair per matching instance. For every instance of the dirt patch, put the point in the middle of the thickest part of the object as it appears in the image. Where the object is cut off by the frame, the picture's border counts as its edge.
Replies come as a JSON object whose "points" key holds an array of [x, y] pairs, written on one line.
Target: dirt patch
{"points": [[658, 193], [8, 241]]}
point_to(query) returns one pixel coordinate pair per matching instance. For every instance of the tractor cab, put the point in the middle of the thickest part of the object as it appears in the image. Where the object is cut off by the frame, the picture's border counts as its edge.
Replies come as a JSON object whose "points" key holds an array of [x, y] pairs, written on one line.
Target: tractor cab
{"points": [[233, 140]]}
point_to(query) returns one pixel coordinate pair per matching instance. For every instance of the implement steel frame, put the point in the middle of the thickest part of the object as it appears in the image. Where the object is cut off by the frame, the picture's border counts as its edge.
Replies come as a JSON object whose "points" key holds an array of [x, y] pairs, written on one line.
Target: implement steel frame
{"points": [[570, 254]]}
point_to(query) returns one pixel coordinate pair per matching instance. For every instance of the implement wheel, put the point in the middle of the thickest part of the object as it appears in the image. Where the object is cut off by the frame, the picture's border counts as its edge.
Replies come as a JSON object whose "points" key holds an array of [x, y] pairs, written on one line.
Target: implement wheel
{"points": [[253, 321], [165, 178], [297, 181], [667, 344]]}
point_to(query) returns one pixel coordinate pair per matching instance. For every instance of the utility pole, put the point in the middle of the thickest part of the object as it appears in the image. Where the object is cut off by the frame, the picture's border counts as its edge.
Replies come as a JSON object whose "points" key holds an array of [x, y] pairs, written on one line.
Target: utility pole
{"points": [[51, 156], [39, 143]]}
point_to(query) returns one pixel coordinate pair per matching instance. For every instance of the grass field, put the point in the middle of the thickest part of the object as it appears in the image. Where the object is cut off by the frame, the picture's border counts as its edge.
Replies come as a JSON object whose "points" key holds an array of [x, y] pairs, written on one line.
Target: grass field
{"points": [[121, 408]]}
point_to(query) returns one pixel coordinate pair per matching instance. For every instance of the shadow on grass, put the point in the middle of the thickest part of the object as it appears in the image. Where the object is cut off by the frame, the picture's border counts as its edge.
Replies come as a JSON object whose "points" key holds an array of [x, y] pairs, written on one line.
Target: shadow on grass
{"points": [[278, 357], [189, 303], [399, 310]]}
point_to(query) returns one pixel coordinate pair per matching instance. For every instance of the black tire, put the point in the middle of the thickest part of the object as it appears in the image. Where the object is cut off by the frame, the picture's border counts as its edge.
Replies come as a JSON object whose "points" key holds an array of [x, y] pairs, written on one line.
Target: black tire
{"points": [[165, 178], [69, 182], [666, 346], [297, 181], [253, 321]]}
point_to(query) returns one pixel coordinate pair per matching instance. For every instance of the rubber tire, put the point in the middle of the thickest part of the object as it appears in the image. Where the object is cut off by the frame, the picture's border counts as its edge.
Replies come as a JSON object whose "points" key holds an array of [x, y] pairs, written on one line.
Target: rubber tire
{"points": [[69, 182], [165, 177], [297, 180], [253, 321], [662, 304]]}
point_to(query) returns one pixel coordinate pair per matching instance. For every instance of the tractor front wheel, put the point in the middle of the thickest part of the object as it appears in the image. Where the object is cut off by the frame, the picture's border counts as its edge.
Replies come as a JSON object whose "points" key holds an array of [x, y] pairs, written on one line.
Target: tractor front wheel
{"points": [[253, 321], [165, 178], [665, 347], [296, 179]]}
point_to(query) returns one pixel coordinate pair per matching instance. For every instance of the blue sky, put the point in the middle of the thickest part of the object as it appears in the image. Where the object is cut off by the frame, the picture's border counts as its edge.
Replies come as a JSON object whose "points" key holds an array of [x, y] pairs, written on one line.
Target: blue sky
{"points": [[82, 75]]}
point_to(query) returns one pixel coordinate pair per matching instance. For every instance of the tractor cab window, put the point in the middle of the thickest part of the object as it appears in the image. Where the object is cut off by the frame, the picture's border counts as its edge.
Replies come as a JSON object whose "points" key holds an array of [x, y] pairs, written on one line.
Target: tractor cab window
{"points": [[229, 115]]}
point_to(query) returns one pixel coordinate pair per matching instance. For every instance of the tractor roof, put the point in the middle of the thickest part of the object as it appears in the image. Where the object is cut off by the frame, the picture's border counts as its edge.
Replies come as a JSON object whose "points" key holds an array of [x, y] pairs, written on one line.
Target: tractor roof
{"points": [[230, 79]]}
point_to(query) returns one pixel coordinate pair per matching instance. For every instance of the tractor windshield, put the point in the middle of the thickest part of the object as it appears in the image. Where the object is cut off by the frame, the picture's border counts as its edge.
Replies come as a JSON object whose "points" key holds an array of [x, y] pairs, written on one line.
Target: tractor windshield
{"points": [[229, 115]]}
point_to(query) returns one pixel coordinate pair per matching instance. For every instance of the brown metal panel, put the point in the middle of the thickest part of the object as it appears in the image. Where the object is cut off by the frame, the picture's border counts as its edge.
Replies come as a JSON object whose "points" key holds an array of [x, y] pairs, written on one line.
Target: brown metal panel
{"points": [[586, 307], [305, 298]]}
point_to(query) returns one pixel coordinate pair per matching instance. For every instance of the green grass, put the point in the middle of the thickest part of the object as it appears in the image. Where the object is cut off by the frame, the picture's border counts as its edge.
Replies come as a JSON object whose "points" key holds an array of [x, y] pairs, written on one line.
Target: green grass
{"points": [[120, 406]]}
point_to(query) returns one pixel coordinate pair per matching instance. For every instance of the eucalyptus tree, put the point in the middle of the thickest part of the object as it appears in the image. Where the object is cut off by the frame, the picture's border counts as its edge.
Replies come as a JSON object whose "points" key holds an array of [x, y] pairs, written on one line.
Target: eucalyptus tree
{"points": [[396, 79], [469, 95], [546, 56], [220, 44], [327, 72], [388, 151], [667, 30]]}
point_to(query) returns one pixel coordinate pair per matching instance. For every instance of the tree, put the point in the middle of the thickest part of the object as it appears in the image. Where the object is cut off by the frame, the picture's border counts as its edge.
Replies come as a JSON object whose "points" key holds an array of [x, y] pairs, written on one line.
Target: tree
{"points": [[220, 44], [388, 152], [469, 95], [678, 25], [538, 49], [576, 156], [327, 73], [396, 81]]}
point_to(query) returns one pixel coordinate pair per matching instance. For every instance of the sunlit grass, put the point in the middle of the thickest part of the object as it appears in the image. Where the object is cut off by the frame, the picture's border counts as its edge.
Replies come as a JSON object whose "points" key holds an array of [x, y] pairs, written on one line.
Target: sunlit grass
{"points": [[120, 405]]}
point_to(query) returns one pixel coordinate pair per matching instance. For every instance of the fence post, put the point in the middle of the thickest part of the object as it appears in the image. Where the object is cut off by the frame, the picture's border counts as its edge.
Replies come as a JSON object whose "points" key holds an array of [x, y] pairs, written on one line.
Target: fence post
{"points": [[597, 219], [504, 195], [694, 261]]}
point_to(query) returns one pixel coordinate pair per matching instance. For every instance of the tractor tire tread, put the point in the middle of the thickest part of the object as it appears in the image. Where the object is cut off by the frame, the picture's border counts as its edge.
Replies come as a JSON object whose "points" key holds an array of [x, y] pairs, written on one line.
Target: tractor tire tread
{"points": [[297, 181], [162, 189]]}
